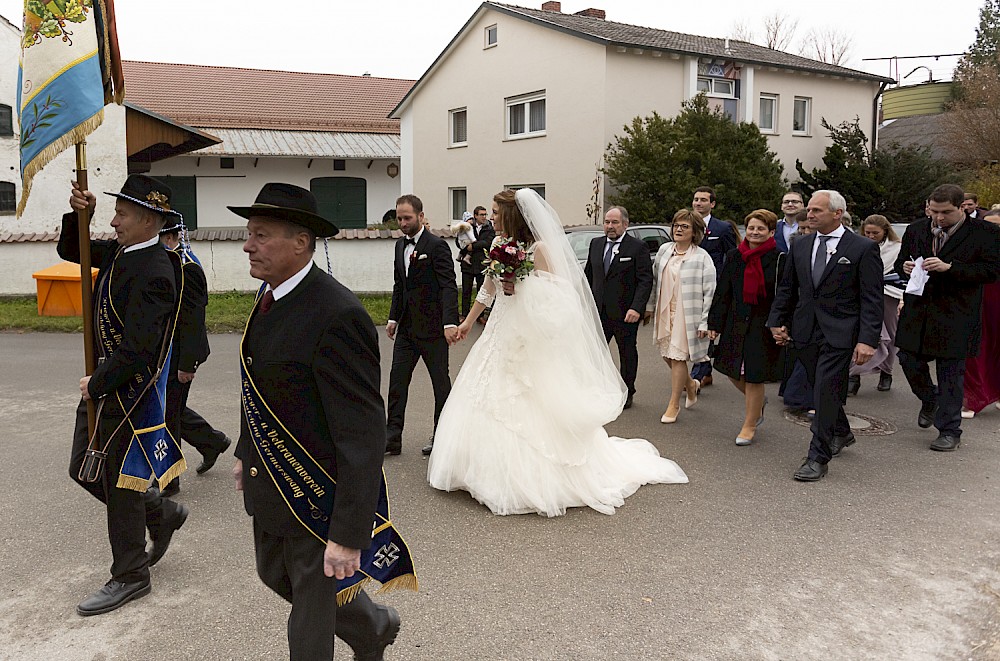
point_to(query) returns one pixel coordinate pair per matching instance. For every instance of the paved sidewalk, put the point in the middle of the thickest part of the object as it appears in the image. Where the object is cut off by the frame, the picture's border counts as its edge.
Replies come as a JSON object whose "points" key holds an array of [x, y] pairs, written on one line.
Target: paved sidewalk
{"points": [[894, 555]]}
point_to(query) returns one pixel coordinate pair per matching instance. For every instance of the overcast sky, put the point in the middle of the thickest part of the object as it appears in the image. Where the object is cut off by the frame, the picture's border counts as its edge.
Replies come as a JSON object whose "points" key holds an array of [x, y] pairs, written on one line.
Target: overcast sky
{"points": [[401, 38]]}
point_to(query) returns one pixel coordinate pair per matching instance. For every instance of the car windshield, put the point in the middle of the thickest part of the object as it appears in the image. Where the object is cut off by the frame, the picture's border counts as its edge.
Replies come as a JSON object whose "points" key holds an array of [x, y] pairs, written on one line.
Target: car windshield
{"points": [[580, 242]]}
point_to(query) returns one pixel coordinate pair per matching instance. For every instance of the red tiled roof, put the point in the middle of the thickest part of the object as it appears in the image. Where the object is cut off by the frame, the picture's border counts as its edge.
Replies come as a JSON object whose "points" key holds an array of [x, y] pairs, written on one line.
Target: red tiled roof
{"points": [[228, 97]]}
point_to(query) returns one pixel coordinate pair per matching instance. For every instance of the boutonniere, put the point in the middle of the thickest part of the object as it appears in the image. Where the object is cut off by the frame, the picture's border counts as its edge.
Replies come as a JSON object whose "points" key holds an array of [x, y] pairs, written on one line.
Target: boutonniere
{"points": [[413, 256], [830, 251]]}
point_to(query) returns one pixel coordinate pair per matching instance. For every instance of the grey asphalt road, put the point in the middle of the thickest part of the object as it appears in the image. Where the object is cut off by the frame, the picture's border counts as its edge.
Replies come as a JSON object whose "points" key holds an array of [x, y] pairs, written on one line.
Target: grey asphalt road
{"points": [[894, 555]]}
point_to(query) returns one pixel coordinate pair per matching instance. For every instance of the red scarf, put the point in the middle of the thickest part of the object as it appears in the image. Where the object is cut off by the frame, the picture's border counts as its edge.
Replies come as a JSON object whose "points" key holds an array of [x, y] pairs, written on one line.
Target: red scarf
{"points": [[754, 289]]}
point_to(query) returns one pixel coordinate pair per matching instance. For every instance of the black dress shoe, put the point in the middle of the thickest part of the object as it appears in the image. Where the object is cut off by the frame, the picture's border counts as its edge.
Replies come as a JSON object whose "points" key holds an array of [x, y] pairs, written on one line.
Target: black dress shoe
{"points": [[853, 385], [111, 596], [810, 471], [209, 458], [628, 402], [945, 443], [388, 637], [426, 450], [393, 451], [172, 489], [840, 442], [884, 382], [166, 532], [926, 416]]}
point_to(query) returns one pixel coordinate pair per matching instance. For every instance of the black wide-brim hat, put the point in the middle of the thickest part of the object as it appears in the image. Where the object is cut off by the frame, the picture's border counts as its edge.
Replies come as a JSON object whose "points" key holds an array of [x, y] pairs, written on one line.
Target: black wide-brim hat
{"points": [[289, 203], [147, 192]]}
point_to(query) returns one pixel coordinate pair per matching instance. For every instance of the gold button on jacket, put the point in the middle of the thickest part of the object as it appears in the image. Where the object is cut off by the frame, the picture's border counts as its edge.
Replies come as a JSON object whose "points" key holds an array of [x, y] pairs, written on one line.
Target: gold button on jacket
{"points": [[253, 472]]}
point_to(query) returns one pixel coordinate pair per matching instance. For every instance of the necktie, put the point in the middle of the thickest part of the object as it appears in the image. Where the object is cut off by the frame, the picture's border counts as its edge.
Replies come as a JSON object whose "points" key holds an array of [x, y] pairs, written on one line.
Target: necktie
{"points": [[266, 302], [819, 263], [608, 256]]}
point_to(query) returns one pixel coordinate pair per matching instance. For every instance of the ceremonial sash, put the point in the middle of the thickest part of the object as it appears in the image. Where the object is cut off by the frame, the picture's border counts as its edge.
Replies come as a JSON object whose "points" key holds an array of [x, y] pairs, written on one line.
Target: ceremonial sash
{"points": [[308, 489], [152, 452]]}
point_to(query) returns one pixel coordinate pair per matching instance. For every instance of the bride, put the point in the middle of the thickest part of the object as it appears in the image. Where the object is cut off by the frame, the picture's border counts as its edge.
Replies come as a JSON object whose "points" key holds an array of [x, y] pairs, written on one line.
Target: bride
{"points": [[523, 428]]}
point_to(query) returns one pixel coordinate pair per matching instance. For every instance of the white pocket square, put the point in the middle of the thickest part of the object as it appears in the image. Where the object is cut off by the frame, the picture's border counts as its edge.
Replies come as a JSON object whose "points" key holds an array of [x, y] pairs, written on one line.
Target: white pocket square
{"points": [[624, 259], [713, 238], [424, 256], [843, 260]]}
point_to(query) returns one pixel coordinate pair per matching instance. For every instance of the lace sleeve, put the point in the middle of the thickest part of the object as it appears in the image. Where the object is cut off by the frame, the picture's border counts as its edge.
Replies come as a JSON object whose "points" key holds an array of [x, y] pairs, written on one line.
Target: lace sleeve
{"points": [[488, 292]]}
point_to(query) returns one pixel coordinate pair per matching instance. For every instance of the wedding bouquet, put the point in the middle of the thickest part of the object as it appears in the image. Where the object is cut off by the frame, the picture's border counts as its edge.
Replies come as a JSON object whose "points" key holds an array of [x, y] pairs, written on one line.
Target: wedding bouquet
{"points": [[508, 260]]}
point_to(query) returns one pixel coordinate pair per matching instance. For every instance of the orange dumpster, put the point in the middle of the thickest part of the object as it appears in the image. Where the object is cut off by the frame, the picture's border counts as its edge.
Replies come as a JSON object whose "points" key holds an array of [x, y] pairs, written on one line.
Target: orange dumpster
{"points": [[59, 290]]}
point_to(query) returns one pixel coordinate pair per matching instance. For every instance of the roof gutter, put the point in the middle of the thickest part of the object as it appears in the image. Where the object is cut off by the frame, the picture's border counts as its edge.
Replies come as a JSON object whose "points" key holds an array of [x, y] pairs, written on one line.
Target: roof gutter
{"points": [[878, 95]]}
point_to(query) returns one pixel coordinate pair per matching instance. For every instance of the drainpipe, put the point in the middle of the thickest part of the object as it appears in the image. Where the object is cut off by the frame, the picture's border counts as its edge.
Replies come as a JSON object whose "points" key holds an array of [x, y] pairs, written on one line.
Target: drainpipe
{"points": [[875, 119]]}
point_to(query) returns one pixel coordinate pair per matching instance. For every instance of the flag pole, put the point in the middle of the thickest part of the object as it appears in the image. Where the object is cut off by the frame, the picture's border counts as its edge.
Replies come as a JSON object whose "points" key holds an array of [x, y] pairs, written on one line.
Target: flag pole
{"points": [[86, 280]]}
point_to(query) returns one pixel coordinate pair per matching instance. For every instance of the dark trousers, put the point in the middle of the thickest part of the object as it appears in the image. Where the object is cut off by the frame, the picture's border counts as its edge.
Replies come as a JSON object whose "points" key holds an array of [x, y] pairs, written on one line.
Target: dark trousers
{"points": [[129, 512], [183, 423], [827, 371], [700, 370], [293, 568], [406, 351], [948, 394], [626, 337], [467, 281]]}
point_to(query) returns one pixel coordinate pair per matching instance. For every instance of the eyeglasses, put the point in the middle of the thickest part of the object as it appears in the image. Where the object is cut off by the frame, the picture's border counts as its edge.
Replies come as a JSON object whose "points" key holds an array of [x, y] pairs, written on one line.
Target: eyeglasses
{"points": [[682, 227], [791, 202]]}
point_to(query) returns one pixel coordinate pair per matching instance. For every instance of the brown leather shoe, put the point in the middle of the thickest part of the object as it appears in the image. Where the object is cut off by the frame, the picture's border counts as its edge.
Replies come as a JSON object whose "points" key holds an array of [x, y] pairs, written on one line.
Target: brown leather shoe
{"points": [[706, 381]]}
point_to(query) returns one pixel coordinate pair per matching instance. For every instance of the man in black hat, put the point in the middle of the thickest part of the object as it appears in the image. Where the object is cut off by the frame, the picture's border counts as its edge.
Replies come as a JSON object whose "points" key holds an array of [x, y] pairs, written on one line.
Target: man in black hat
{"points": [[190, 349], [312, 409], [137, 284]]}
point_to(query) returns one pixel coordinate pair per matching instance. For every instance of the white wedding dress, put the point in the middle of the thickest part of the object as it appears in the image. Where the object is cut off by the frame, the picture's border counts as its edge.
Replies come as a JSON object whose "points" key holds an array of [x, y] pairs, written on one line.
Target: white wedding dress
{"points": [[522, 430]]}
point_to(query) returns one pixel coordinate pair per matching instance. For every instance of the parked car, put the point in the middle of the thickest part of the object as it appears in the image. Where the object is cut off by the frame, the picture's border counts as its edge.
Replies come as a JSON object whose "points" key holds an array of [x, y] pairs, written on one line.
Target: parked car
{"points": [[580, 237]]}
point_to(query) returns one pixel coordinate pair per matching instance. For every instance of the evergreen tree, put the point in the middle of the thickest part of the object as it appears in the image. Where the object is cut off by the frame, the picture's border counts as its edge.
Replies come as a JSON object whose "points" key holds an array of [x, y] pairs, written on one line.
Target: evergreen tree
{"points": [[656, 164]]}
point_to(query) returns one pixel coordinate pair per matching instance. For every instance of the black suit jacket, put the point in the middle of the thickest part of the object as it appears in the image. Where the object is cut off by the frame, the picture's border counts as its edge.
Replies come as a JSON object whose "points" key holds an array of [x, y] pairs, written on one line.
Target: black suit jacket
{"points": [[846, 308], [314, 358], [945, 321], [190, 337], [628, 282], [719, 240], [480, 248], [146, 280], [425, 298]]}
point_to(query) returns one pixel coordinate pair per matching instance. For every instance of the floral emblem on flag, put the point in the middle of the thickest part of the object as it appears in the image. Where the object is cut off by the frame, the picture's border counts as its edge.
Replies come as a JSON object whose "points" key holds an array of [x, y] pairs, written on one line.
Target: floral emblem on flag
{"points": [[49, 19]]}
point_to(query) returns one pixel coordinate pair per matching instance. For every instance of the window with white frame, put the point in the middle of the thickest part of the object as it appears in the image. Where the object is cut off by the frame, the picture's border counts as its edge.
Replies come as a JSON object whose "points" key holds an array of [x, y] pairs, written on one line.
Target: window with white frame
{"points": [[490, 36], [767, 120], [459, 127], [459, 202], [722, 87], [526, 115], [801, 112], [538, 188]]}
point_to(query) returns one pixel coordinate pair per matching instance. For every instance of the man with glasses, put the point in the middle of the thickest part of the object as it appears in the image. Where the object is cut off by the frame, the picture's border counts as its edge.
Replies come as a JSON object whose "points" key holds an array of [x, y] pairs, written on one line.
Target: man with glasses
{"points": [[471, 256], [792, 203], [942, 323]]}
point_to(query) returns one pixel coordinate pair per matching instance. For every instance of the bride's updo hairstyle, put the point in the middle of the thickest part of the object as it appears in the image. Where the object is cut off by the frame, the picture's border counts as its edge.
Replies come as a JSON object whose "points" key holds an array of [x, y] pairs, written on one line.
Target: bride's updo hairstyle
{"points": [[511, 221]]}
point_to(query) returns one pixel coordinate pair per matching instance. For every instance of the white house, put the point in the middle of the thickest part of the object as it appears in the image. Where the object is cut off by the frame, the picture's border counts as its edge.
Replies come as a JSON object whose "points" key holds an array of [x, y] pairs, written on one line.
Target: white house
{"points": [[532, 97]]}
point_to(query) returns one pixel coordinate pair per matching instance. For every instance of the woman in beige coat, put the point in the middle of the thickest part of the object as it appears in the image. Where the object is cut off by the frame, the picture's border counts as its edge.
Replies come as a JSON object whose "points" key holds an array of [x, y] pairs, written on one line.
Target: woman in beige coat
{"points": [[684, 283]]}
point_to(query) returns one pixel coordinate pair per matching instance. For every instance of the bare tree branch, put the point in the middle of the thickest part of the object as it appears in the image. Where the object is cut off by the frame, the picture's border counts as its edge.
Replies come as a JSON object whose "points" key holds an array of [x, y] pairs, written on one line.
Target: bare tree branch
{"points": [[779, 30], [827, 45], [972, 124], [741, 31]]}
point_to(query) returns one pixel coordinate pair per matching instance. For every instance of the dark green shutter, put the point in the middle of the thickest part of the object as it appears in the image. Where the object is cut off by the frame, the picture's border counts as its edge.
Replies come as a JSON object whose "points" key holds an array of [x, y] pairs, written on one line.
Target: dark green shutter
{"points": [[342, 200], [185, 198]]}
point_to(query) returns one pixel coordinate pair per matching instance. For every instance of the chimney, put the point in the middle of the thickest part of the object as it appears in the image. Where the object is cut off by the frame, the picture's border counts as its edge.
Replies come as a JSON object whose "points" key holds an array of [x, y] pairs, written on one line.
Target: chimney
{"points": [[552, 6], [592, 13]]}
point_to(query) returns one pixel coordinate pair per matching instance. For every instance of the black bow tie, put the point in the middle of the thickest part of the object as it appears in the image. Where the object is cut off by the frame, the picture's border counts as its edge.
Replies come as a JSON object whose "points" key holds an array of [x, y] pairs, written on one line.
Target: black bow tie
{"points": [[410, 242]]}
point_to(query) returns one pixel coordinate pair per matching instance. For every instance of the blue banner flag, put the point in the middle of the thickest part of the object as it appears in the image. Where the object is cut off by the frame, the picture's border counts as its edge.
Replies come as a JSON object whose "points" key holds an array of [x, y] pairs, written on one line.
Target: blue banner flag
{"points": [[68, 70]]}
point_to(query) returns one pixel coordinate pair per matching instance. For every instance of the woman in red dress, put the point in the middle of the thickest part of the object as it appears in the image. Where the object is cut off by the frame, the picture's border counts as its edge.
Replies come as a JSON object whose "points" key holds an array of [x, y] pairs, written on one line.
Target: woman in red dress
{"points": [[982, 373]]}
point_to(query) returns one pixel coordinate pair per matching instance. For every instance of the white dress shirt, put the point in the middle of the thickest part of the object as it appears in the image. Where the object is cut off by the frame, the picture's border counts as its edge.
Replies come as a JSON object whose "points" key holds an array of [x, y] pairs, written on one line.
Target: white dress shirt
{"points": [[831, 244], [144, 244], [287, 286]]}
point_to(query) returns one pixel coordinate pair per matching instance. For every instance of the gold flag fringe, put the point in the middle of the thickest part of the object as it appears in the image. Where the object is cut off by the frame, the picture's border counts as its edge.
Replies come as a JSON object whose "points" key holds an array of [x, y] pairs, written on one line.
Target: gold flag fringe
{"points": [[78, 134], [404, 582], [141, 484]]}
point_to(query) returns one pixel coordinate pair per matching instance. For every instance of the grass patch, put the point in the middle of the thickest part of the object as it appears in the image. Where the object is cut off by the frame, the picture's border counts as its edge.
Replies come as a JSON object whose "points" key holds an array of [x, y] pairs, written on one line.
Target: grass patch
{"points": [[226, 313]]}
